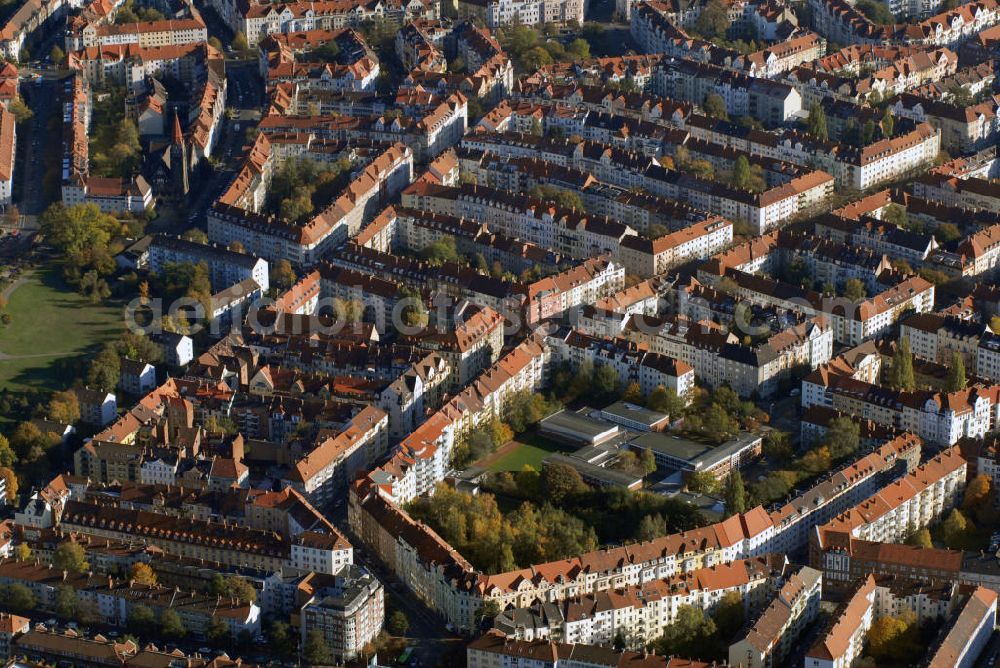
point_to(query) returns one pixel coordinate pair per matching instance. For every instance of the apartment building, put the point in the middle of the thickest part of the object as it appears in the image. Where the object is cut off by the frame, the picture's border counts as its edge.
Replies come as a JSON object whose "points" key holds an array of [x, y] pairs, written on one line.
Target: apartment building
{"points": [[906, 505], [553, 296], [113, 600], [493, 649], [833, 263], [852, 323], [938, 417], [11, 626], [225, 267], [938, 338], [499, 13], [212, 541], [148, 34], [347, 608], [324, 472], [770, 101], [407, 398], [771, 636], [234, 216], [969, 634], [632, 363], [843, 641], [569, 233], [423, 457], [721, 357], [795, 519], [963, 129], [649, 257], [256, 20], [639, 614], [24, 21], [879, 236], [446, 582], [398, 227], [8, 149], [131, 65]]}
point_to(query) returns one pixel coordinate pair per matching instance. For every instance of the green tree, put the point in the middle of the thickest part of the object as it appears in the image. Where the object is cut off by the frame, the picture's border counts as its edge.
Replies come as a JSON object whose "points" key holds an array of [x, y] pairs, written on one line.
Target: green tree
{"points": [[816, 123], [22, 552], [316, 651], [778, 447], [398, 623], [13, 486], [888, 123], [281, 639], [218, 631], [66, 602], [734, 493], [843, 436], [650, 527], [239, 588], [730, 615], [438, 252], [955, 529], [894, 214], [876, 11], [666, 401], [691, 635], [490, 610], [578, 49], [141, 620], [240, 42], [715, 106], [648, 461], [895, 640], [605, 381], [956, 374], [104, 370], [703, 482], [901, 367], [283, 275], [978, 494], [921, 538], [22, 112], [94, 287], [713, 22], [947, 232], [195, 235], [18, 598], [741, 173], [57, 55], [960, 96], [71, 557], [171, 625], [855, 290]]}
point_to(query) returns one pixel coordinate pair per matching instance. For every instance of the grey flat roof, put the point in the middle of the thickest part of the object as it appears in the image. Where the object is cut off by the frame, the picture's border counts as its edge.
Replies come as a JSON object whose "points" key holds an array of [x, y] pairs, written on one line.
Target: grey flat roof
{"points": [[630, 411], [696, 453], [581, 424]]}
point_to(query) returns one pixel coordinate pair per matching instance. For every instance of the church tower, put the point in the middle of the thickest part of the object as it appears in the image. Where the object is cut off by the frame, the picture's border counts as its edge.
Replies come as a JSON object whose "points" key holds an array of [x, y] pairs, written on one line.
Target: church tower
{"points": [[178, 160]]}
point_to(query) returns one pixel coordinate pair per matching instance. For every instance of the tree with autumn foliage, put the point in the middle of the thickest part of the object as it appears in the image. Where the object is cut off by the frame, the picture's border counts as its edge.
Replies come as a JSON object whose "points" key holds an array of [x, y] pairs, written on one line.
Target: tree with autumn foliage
{"points": [[143, 574]]}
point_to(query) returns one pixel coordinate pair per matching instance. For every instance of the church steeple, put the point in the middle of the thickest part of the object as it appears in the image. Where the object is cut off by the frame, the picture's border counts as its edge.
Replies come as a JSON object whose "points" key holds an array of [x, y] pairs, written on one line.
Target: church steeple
{"points": [[178, 135]]}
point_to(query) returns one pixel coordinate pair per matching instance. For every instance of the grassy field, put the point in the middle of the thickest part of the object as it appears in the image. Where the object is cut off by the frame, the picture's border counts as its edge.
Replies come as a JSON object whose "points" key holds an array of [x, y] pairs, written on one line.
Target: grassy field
{"points": [[51, 326], [530, 448]]}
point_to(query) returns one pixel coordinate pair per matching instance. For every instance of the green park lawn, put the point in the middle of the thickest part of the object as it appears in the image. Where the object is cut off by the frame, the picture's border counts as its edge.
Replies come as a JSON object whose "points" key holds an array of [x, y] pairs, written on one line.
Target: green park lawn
{"points": [[51, 327], [531, 449]]}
